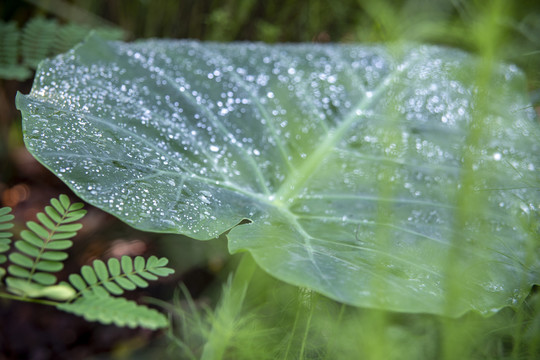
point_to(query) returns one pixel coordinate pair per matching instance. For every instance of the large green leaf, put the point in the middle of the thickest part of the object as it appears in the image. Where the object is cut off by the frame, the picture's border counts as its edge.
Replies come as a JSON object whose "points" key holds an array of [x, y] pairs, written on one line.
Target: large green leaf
{"points": [[399, 177]]}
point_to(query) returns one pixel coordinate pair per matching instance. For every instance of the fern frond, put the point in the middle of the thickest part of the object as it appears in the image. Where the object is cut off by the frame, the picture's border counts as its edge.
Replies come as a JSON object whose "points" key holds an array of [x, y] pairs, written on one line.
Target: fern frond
{"points": [[40, 252], [114, 310], [115, 277], [67, 36], [9, 53], [37, 39], [41, 249], [22, 49], [5, 236]]}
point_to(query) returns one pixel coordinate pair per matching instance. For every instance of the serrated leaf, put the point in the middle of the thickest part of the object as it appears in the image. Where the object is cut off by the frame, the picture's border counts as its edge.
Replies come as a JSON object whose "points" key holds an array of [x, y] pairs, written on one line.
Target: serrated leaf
{"points": [[362, 169]]}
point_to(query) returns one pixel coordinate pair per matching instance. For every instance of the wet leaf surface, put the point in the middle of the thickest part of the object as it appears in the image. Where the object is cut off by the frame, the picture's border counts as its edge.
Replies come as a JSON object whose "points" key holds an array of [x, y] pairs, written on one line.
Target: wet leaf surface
{"points": [[378, 176]]}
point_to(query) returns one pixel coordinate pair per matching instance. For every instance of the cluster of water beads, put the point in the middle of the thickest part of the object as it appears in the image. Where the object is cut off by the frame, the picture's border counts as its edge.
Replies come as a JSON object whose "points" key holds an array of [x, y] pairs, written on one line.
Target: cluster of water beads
{"points": [[191, 138]]}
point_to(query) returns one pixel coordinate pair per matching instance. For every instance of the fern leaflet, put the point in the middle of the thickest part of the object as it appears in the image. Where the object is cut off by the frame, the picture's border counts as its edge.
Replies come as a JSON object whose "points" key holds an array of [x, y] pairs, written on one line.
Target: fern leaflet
{"points": [[113, 310], [9, 53], [37, 40], [22, 49], [41, 249], [117, 276], [5, 236], [41, 252]]}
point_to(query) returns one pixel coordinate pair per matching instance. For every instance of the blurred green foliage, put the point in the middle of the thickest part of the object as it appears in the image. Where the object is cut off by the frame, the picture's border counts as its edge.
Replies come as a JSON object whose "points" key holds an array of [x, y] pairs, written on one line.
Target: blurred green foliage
{"points": [[451, 22], [278, 320]]}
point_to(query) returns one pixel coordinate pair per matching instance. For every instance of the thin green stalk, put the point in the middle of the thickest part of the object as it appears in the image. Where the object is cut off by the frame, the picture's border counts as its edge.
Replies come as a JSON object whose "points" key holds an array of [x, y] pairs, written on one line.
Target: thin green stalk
{"points": [[306, 331], [337, 326], [228, 311], [27, 299], [286, 356]]}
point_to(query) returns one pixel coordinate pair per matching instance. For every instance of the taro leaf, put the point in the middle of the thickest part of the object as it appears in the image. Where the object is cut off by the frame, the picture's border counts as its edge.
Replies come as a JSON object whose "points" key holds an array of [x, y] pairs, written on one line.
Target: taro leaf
{"points": [[378, 176]]}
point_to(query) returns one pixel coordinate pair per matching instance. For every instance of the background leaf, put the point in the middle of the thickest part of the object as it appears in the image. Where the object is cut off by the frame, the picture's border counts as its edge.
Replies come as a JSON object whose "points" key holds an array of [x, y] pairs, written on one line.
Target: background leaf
{"points": [[398, 177]]}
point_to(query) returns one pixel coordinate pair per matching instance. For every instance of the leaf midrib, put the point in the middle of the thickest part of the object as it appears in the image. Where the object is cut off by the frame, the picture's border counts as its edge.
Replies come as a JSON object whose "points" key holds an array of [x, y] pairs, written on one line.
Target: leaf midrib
{"points": [[294, 182]]}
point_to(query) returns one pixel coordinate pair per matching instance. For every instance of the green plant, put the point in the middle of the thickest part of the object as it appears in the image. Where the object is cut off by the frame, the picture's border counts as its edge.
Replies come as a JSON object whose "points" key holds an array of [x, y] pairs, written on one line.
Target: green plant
{"points": [[40, 253], [358, 177], [272, 320], [392, 177], [21, 50]]}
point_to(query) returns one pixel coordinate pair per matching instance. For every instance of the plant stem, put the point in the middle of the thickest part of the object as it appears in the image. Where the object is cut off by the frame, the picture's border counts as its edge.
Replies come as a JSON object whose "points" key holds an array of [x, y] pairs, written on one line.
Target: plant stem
{"points": [[292, 333], [27, 299], [308, 326], [228, 311]]}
